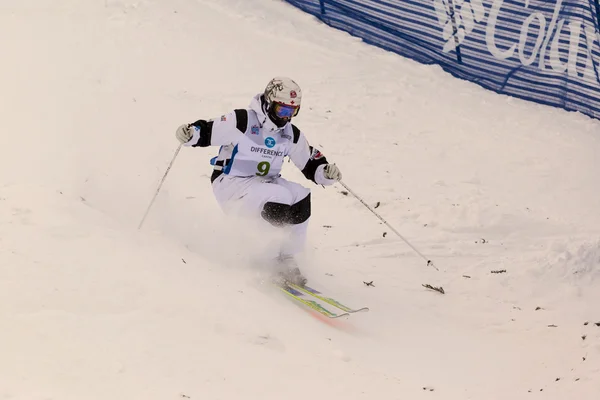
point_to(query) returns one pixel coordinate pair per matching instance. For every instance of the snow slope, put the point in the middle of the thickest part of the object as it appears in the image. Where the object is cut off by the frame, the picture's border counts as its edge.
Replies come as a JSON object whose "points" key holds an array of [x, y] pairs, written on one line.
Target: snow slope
{"points": [[92, 308]]}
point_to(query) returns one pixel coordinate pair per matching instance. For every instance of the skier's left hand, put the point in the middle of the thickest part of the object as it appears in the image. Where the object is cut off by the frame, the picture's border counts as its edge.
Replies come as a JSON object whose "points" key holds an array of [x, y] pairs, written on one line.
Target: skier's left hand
{"points": [[332, 172]]}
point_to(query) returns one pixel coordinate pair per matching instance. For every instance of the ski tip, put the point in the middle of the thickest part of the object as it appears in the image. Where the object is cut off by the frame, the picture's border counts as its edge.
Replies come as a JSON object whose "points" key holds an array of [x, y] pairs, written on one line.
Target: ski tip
{"points": [[343, 315]]}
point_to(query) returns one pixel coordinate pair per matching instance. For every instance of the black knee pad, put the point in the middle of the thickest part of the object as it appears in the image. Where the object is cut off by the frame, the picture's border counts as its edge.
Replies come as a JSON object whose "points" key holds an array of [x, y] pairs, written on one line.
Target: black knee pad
{"points": [[278, 214], [300, 211]]}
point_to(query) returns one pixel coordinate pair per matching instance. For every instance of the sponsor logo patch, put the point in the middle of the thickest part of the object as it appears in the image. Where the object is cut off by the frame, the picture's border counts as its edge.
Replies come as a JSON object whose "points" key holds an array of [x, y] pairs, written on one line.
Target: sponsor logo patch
{"points": [[255, 130], [316, 154], [270, 142]]}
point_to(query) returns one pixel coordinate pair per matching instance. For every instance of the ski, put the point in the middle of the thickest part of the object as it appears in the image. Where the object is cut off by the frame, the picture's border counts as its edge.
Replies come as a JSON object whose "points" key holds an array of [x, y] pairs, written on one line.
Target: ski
{"points": [[298, 295], [315, 293]]}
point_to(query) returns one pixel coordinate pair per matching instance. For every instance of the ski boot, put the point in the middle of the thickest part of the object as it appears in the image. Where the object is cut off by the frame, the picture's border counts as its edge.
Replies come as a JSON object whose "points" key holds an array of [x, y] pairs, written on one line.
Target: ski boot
{"points": [[287, 271]]}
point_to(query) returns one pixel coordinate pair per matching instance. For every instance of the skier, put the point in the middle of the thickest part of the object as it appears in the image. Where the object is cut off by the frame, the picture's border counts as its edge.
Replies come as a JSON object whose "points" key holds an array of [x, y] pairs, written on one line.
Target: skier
{"points": [[246, 177]]}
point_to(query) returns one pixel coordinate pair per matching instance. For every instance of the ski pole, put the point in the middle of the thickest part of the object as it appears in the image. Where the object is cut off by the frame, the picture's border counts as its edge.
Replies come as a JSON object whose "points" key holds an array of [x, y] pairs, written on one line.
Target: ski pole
{"points": [[159, 186], [429, 262]]}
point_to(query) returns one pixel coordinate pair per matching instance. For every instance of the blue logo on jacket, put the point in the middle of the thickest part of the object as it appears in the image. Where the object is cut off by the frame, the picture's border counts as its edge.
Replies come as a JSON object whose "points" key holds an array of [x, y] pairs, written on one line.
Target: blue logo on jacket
{"points": [[270, 142], [255, 130]]}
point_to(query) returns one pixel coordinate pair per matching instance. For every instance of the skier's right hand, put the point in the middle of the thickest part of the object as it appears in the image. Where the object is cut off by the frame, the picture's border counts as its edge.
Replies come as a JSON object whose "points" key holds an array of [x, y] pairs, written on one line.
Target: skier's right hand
{"points": [[184, 133]]}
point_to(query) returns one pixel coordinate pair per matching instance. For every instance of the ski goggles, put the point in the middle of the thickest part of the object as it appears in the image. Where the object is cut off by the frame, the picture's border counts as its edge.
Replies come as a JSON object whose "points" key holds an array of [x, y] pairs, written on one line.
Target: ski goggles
{"points": [[284, 111]]}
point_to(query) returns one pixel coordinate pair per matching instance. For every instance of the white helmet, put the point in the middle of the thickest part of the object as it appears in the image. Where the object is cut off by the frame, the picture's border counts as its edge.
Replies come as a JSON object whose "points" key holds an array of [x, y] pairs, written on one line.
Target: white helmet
{"points": [[283, 90], [282, 100]]}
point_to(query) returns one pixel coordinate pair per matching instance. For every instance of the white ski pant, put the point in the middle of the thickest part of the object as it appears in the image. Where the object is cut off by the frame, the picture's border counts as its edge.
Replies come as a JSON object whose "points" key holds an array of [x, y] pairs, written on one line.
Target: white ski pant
{"points": [[276, 201]]}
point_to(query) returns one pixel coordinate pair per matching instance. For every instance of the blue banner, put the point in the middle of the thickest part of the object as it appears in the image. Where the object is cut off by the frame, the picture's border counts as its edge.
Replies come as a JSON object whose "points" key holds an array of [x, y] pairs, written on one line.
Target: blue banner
{"points": [[543, 51]]}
